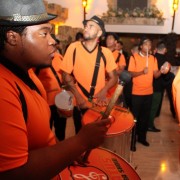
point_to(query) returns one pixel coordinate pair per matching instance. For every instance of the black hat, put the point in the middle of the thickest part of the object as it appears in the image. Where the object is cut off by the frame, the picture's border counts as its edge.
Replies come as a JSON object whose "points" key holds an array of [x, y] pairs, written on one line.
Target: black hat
{"points": [[98, 21], [23, 12]]}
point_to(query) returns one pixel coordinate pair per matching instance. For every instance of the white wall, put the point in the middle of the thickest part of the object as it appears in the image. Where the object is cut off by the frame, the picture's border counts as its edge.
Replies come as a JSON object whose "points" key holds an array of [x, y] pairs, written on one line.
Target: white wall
{"points": [[97, 7]]}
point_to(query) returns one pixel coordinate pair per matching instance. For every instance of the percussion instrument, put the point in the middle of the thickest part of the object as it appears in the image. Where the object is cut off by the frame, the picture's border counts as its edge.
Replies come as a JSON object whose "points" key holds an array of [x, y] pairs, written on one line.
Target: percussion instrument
{"points": [[64, 103], [91, 116], [118, 137], [103, 165]]}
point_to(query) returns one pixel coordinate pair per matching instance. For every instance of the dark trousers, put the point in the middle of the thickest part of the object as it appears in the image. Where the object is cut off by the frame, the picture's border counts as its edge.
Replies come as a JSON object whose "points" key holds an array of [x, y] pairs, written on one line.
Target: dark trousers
{"points": [[59, 123], [128, 94], [77, 116], [141, 106], [156, 101]]}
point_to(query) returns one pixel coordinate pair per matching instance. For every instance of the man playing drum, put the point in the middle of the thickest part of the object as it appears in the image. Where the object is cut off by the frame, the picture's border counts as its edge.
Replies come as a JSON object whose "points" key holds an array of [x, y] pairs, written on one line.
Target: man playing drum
{"points": [[87, 61], [28, 148]]}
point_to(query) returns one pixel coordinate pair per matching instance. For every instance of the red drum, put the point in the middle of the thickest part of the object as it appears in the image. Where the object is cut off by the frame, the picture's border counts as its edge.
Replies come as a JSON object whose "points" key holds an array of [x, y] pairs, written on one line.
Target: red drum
{"points": [[64, 103], [119, 134], [103, 165]]}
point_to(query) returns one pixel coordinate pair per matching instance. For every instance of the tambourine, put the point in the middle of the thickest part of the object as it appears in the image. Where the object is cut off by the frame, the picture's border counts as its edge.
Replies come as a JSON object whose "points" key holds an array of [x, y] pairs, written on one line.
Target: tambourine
{"points": [[165, 68], [64, 103]]}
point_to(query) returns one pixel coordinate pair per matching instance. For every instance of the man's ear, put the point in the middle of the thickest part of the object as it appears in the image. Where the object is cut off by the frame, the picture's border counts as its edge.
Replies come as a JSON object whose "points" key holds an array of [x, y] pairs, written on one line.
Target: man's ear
{"points": [[99, 33], [12, 38]]}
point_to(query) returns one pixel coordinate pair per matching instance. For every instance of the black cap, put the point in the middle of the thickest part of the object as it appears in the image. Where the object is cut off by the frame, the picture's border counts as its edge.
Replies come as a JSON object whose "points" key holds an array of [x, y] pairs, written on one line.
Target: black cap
{"points": [[98, 21]]}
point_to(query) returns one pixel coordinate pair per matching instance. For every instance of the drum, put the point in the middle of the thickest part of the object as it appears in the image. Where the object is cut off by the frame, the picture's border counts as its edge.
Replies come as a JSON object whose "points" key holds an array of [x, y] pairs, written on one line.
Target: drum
{"points": [[118, 137], [64, 103], [103, 165]]}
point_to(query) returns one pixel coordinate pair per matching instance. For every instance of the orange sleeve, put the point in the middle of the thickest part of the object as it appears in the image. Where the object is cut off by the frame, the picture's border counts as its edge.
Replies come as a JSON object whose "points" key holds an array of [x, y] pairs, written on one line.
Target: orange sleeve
{"points": [[110, 62], [67, 63], [155, 68], [122, 61], [131, 66]]}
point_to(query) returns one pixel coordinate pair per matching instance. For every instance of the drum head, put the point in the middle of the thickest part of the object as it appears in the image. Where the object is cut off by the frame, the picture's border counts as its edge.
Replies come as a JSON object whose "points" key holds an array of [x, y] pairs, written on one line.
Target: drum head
{"points": [[103, 165], [64, 100]]}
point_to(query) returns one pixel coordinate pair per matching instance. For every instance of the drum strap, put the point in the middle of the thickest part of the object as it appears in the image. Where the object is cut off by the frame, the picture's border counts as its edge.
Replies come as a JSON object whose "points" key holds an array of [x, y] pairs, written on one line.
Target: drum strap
{"points": [[90, 94], [56, 76], [117, 60]]}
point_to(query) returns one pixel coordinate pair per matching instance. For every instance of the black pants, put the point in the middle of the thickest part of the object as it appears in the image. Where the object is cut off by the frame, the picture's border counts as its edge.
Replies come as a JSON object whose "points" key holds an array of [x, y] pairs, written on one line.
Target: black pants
{"points": [[59, 123], [141, 106], [77, 116]]}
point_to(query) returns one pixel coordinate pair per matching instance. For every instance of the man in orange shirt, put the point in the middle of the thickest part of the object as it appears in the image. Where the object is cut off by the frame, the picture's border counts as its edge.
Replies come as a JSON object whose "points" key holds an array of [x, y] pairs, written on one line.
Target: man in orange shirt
{"points": [[111, 40], [28, 148], [85, 60], [143, 68]]}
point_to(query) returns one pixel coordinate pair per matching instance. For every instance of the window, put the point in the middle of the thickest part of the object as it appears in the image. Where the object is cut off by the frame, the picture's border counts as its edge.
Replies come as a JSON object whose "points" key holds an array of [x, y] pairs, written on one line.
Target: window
{"points": [[132, 4]]}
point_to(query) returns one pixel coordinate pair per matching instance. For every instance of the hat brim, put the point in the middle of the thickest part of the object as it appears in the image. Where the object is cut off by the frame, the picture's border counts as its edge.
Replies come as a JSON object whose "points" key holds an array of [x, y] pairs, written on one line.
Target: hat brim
{"points": [[27, 23], [103, 30]]}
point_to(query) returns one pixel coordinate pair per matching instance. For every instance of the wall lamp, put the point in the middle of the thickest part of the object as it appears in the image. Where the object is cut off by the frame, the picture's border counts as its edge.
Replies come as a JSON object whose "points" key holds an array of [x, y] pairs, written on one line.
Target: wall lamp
{"points": [[84, 3], [175, 8]]}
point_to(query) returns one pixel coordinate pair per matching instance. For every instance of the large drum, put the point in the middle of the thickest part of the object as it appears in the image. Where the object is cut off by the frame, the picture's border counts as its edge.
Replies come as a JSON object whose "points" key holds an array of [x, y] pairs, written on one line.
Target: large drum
{"points": [[103, 165], [119, 134]]}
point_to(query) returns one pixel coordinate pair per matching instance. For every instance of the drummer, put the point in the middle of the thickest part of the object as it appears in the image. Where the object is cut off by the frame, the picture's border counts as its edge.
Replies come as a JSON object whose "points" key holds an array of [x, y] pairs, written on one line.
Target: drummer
{"points": [[28, 148], [79, 60]]}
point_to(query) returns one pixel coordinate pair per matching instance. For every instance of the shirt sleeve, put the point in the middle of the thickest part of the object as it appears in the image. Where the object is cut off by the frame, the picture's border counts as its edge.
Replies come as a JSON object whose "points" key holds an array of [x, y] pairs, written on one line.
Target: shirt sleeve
{"points": [[131, 66], [67, 62], [122, 61], [110, 63], [155, 68]]}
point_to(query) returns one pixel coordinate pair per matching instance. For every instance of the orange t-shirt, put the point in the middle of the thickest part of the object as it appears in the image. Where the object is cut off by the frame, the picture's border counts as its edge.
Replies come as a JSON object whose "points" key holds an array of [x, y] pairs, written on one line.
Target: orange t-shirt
{"points": [[176, 93], [49, 80], [143, 84], [18, 137], [121, 61], [38, 83], [84, 64]]}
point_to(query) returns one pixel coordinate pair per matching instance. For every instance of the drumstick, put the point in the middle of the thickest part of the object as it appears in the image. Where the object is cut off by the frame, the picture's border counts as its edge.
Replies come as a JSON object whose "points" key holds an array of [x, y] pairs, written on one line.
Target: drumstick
{"points": [[124, 78]]}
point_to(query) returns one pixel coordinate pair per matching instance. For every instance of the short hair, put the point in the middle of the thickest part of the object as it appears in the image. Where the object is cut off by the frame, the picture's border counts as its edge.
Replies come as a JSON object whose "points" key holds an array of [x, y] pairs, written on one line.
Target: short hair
{"points": [[161, 45], [115, 36], [5, 29], [120, 42]]}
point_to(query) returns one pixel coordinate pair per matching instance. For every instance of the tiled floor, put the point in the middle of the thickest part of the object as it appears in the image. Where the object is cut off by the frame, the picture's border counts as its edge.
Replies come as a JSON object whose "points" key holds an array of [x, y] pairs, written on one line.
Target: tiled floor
{"points": [[161, 160]]}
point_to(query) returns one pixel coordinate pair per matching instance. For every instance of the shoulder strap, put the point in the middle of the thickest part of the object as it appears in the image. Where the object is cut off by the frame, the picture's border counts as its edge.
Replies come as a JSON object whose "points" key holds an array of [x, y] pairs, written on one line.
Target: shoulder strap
{"points": [[74, 56], [56, 76], [117, 59], [134, 59], [103, 57], [95, 74], [23, 102]]}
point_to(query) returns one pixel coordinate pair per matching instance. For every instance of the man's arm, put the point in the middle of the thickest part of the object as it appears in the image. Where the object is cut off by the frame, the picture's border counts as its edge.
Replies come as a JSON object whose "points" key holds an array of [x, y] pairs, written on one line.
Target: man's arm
{"points": [[101, 95], [139, 73], [70, 83], [47, 162]]}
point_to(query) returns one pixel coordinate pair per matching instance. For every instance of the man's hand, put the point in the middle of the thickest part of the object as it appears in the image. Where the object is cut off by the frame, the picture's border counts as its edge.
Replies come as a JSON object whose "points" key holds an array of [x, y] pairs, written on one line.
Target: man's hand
{"points": [[93, 134]]}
